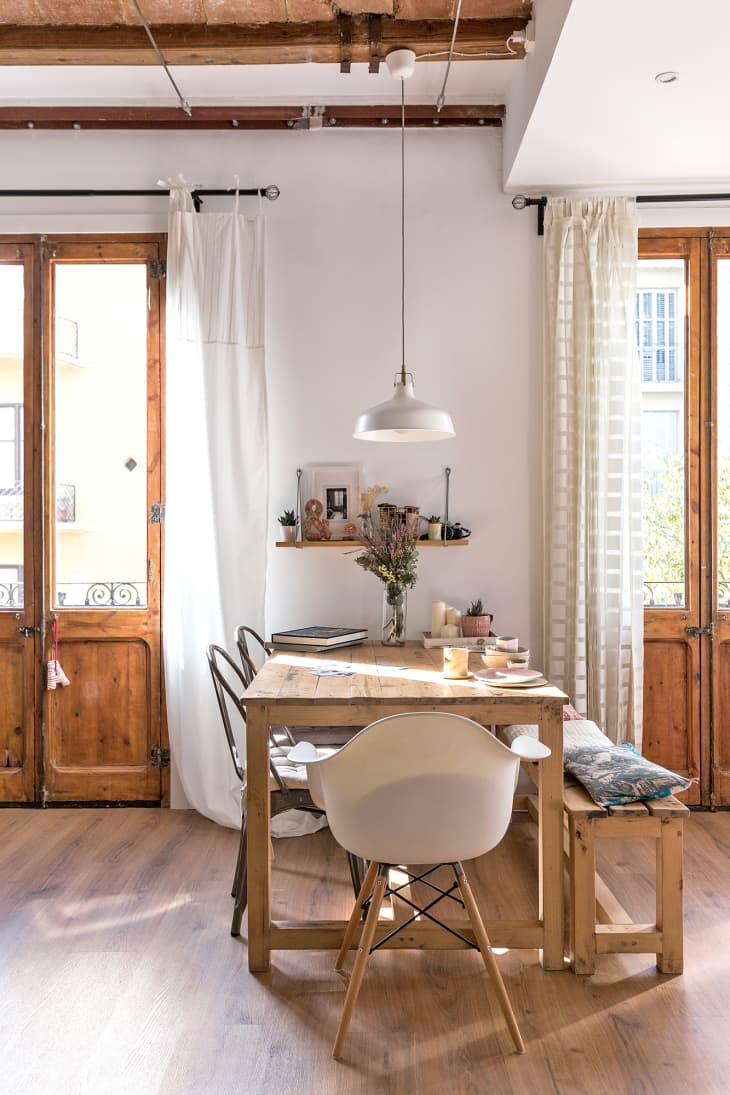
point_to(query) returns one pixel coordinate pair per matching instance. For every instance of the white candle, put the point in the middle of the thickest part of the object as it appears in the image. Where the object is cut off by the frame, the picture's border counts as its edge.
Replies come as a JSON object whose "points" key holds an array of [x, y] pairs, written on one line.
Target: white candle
{"points": [[438, 618], [453, 616], [456, 662], [450, 631]]}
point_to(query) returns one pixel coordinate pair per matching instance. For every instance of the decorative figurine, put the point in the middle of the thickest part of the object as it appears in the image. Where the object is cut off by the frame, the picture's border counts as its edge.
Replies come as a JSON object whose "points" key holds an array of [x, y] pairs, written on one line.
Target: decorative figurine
{"points": [[315, 527]]}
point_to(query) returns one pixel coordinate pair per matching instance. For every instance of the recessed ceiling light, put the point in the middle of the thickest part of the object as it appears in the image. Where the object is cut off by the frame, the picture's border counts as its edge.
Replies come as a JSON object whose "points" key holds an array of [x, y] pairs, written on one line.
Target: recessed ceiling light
{"points": [[666, 77]]}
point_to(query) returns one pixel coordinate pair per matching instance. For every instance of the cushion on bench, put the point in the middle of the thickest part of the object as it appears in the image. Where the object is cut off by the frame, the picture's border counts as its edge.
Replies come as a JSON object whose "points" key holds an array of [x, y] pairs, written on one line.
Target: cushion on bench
{"points": [[576, 732], [617, 774]]}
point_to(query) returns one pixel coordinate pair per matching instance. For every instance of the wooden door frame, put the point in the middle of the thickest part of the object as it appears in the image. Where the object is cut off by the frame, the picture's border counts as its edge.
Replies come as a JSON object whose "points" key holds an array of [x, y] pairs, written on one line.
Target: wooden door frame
{"points": [[108, 248], [668, 623], [23, 250], [712, 243], [719, 743]]}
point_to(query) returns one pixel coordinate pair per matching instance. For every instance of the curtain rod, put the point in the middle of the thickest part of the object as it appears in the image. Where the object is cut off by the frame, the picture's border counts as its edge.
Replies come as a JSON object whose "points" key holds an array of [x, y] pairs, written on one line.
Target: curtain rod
{"points": [[197, 193], [520, 201]]}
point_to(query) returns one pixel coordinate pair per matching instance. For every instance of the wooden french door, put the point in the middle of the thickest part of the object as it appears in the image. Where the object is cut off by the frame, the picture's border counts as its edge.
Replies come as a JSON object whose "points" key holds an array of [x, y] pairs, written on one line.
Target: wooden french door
{"points": [[683, 335], [92, 553], [20, 607]]}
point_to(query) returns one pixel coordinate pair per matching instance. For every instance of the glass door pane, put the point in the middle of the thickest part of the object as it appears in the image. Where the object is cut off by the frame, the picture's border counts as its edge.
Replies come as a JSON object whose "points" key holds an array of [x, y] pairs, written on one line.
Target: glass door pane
{"points": [[100, 435], [12, 503], [660, 338]]}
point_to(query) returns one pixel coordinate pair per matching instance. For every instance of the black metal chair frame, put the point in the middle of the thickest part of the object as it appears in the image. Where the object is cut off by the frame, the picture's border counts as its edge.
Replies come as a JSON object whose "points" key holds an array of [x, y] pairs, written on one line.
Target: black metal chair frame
{"points": [[282, 797]]}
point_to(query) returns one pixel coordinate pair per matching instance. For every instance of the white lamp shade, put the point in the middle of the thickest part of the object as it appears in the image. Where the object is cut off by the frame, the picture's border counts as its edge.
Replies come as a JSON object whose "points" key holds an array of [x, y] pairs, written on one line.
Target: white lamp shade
{"points": [[403, 418]]}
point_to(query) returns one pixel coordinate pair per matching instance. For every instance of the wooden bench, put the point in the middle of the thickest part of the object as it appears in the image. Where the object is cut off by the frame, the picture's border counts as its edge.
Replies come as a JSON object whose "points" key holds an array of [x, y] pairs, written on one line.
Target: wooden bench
{"points": [[598, 923]]}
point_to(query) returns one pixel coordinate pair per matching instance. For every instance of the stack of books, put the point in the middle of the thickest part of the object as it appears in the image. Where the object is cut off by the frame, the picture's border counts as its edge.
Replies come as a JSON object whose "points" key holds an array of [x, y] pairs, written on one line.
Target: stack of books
{"points": [[316, 639]]}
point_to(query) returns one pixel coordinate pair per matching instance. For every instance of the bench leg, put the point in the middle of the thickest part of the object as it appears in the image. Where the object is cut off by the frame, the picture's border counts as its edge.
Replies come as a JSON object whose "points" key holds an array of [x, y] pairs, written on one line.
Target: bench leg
{"points": [[669, 897], [582, 869]]}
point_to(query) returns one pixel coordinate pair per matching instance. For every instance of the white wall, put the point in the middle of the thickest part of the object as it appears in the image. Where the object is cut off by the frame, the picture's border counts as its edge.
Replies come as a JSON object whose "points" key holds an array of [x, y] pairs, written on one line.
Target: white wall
{"points": [[473, 334], [333, 335]]}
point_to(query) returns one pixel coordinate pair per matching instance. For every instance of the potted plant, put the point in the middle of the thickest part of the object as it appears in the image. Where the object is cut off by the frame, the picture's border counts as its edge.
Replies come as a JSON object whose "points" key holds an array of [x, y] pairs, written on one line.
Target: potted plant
{"points": [[288, 524], [476, 622], [434, 527], [390, 554]]}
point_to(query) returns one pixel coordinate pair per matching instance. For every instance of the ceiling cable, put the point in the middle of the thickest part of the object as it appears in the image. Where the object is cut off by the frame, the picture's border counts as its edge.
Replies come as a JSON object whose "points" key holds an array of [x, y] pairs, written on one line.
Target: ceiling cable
{"points": [[442, 96], [184, 104]]}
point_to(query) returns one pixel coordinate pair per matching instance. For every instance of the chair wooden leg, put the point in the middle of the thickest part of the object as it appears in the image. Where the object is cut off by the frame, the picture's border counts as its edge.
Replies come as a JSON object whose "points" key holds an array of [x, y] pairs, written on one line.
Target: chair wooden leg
{"points": [[489, 960], [355, 917], [241, 894], [366, 942]]}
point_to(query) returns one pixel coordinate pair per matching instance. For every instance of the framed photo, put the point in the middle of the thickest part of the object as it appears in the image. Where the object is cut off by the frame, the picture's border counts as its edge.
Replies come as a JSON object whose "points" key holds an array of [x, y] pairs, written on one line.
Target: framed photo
{"points": [[338, 489]]}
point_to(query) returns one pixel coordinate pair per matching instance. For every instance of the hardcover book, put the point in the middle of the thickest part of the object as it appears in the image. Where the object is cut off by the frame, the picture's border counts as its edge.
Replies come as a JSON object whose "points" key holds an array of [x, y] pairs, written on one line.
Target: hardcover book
{"points": [[319, 636]]}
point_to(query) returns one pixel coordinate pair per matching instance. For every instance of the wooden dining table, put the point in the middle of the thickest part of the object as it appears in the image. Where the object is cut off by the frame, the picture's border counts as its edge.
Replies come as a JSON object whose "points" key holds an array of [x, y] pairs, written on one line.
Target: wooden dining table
{"points": [[354, 686]]}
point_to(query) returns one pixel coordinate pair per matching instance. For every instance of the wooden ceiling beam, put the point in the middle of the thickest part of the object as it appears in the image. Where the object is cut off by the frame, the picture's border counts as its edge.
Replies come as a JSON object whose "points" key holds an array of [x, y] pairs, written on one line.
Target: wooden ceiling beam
{"points": [[267, 43], [250, 117]]}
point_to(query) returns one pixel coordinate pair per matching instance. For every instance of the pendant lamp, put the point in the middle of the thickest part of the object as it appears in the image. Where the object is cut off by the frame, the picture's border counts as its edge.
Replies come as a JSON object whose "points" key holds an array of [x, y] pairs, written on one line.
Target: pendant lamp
{"points": [[403, 417]]}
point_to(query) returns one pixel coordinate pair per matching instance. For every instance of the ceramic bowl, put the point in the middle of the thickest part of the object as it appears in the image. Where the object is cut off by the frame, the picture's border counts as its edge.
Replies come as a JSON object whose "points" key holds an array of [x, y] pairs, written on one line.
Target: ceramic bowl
{"points": [[498, 659]]}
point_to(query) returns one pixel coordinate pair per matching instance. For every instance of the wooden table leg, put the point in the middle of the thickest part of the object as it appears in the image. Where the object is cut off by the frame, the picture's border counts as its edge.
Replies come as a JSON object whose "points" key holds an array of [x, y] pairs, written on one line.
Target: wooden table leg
{"points": [[551, 838], [258, 829], [669, 886]]}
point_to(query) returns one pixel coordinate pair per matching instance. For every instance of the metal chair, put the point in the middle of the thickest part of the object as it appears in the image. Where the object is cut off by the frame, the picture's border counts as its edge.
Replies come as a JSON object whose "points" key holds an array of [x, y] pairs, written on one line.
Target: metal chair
{"points": [[428, 788], [287, 782]]}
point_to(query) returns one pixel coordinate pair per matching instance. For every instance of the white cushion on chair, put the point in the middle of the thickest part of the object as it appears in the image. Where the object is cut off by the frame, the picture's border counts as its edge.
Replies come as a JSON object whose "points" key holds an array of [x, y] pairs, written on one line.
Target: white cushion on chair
{"points": [[293, 776]]}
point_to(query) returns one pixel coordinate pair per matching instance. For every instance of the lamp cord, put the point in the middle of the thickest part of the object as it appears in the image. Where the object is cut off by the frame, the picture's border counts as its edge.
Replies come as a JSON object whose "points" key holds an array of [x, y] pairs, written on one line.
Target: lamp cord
{"points": [[403, 229]]}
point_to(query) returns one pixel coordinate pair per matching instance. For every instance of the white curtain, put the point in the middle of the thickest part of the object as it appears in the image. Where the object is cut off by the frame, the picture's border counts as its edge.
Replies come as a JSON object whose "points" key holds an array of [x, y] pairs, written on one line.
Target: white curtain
{"points": [[592, 462], [217, 479]]}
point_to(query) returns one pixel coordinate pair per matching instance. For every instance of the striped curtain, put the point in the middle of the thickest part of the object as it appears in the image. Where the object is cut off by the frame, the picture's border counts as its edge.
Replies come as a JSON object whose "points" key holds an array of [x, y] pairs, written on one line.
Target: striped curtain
{"points": [[593, 615]]}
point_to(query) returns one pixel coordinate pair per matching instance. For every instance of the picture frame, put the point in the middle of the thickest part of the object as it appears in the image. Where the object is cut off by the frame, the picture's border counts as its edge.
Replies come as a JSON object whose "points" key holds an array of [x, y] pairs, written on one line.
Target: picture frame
{"points": [[337, 486]]}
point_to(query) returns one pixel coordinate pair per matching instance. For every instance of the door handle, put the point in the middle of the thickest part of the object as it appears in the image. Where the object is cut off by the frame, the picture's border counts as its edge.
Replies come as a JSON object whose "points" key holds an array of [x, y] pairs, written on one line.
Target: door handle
{"points": [[28, 631], [695, 632]]}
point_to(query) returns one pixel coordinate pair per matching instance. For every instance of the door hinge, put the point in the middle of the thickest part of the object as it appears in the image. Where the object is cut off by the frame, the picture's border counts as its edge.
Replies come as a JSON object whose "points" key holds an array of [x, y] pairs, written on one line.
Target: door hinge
{"points": [[158, 270], [157, 513], [695, 632], [159, 757]]}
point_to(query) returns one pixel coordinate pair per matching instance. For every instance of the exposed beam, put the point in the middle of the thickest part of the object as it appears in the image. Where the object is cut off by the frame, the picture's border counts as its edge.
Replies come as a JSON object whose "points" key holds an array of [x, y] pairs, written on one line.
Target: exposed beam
{"points": [[267, 43], [249, 117]]}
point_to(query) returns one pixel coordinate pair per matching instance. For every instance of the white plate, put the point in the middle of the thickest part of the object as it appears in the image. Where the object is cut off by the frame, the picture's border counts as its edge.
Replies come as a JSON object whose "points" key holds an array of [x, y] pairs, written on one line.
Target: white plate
{"points": [[510, 675], [507, 682]]}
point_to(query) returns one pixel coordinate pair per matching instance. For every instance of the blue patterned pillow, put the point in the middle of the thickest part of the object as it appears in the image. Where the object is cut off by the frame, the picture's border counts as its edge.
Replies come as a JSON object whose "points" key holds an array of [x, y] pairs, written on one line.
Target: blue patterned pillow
{"points": [[616, 774]]}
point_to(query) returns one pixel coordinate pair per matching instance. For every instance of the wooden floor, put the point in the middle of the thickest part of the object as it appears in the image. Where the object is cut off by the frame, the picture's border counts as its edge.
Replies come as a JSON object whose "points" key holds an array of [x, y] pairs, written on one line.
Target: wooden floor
{"points": [[118, 975]]}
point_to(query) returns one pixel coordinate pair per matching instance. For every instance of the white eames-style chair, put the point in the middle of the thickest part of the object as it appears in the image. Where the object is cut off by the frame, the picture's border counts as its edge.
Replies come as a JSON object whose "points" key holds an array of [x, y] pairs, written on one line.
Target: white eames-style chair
{"points": [[431, 788]]}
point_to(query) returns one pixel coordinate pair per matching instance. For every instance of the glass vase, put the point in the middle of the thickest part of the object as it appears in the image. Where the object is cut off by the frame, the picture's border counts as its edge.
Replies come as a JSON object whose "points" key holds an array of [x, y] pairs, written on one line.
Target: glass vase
{"points": [[394, 615]]}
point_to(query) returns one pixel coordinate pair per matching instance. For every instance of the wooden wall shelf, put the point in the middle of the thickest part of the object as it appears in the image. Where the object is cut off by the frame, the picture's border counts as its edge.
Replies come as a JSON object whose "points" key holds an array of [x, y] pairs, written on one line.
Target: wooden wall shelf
{"points": [[356, 546]]}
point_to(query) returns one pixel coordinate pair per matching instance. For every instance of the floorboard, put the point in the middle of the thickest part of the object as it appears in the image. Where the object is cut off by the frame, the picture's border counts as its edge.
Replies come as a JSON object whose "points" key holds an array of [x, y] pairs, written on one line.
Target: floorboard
{"points": [[118, 975]]}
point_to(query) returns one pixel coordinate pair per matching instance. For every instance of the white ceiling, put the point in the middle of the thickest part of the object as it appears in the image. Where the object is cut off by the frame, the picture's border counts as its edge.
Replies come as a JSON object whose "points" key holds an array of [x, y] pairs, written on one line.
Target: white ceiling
{"points": [[602, 122], [469, 82], [596, 119]]}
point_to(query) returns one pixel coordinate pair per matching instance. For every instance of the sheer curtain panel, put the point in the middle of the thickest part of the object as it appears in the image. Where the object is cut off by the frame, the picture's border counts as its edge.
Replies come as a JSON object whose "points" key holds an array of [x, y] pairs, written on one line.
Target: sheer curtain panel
{"points": [[217, 479], [592, 462]]}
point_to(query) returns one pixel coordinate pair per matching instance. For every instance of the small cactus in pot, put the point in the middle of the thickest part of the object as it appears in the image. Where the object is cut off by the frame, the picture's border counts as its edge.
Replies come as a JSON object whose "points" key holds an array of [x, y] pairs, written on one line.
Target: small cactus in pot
{"points": [[434, 527], [288, 523], [476, 623]]}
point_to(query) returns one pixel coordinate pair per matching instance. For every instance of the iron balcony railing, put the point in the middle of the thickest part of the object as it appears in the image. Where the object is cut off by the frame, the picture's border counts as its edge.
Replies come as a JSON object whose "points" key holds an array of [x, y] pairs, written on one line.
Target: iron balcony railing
{"points": [[111, 594]]}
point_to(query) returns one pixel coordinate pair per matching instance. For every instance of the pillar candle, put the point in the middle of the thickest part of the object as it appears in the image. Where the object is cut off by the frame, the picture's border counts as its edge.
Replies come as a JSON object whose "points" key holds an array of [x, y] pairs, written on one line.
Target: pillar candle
{"points": [[438, 618], [456, 662], [450, 631], [453, 616]]}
